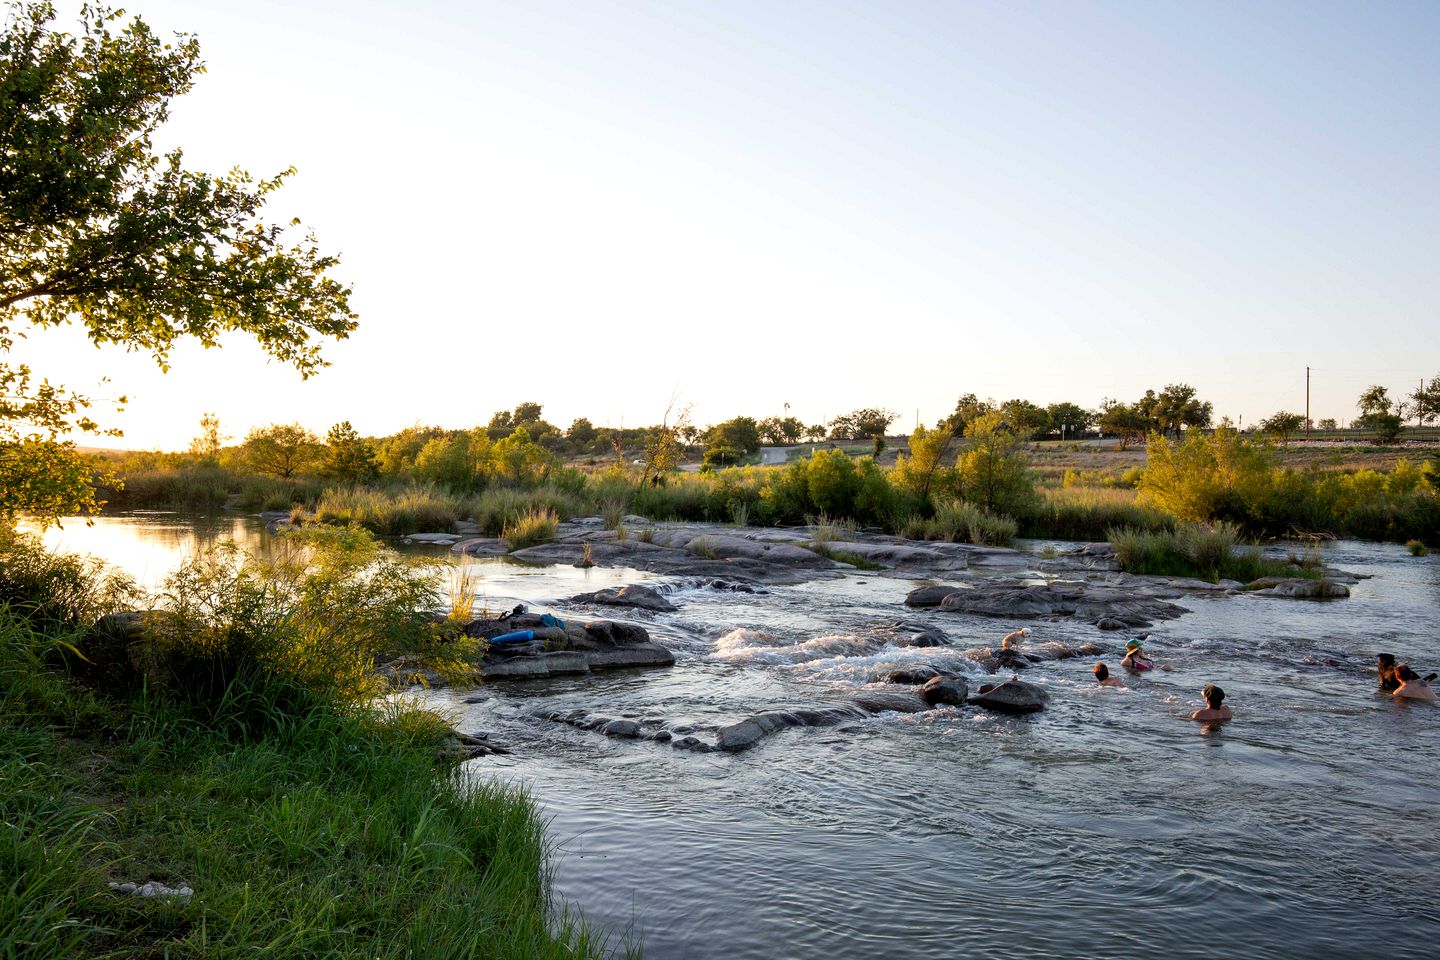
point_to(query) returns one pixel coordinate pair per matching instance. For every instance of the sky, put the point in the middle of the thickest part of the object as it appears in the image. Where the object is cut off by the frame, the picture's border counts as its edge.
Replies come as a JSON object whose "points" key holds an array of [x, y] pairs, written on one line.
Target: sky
{"points": [[598, 205]]}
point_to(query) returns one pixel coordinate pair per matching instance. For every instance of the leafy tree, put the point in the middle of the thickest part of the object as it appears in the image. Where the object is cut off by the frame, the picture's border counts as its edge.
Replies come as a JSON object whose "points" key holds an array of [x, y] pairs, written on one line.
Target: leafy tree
{"points": [[816, 432], [581, 432], [96, 226], [1282, 425], [1122, 420], [967, 409], [776, 431], [1375, 406], [993, 472], [281, 449], [1025, 418], [1178, 408], [729, 441], [519, 459], [397, 452], [922, 469], [1328, 423], [862, 424], [350, 457], [1425, 402], [206, 446], [526, 416], [1069, 419], [663, 446]]}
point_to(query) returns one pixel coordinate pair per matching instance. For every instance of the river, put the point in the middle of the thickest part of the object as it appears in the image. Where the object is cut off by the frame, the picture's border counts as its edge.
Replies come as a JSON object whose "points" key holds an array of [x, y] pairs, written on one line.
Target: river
{"points": [[1108, 825]]}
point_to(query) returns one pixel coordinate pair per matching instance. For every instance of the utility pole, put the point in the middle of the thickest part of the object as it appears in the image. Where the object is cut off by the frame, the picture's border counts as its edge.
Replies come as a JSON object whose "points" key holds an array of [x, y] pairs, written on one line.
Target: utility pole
{"points": [[1307, 405]]}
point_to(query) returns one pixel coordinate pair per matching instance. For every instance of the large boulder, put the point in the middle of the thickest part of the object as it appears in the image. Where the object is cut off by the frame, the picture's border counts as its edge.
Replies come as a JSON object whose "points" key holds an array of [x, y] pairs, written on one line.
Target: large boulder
{"points": [[928, 596], [949, 691], [1011, 696], [633, 595]]}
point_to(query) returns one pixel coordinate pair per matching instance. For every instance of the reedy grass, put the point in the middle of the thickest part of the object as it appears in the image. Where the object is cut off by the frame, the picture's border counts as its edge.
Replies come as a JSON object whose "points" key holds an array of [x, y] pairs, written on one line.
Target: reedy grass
{"points": [[536, 526], [417, 508], [1203, 552]]}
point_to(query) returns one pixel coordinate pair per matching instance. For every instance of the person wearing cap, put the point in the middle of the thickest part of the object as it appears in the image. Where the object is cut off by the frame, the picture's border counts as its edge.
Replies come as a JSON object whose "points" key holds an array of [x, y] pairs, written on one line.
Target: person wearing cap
{"points": [[1135, 659], [1214, 708], [1411, 686]]}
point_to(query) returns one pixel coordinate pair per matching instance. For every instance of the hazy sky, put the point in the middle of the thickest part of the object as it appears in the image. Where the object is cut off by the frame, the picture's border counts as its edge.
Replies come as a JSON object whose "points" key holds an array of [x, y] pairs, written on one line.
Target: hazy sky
{"points": [[593, 204]]}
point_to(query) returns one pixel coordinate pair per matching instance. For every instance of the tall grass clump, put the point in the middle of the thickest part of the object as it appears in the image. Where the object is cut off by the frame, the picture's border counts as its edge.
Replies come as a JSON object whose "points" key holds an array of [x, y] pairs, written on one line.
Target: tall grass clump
{"points": [[1199, 551], [956, 521], [499, 508], [536, 526], [1089, 513], [417, 508]]}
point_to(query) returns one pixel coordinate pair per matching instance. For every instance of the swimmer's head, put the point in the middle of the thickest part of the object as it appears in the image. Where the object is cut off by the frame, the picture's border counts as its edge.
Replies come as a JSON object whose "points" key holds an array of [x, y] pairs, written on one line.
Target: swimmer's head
{"points": [[1213, 695], [1404, 672], [1133, 646], [1102, 672], [1386, 659]]}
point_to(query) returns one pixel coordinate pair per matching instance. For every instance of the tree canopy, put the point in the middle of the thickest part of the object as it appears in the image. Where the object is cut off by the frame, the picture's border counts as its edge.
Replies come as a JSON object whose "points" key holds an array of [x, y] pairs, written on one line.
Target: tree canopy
{"points": [[98, 228]]}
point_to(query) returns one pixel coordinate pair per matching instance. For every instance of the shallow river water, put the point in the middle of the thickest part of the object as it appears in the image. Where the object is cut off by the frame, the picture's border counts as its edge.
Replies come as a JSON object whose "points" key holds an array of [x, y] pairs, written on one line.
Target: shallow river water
{"points": [[1108, 825]]}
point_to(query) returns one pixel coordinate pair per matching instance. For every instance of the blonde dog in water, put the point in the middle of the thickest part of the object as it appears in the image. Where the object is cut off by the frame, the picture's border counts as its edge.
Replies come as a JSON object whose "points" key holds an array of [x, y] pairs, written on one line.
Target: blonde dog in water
{"points": [[1012, 640]]}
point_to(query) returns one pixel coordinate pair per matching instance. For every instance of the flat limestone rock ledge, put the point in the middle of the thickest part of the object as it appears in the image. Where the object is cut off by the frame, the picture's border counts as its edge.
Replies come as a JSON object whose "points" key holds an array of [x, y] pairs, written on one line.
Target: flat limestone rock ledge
{"points": [[1297, 588], [571, 649], [1055, 600]]}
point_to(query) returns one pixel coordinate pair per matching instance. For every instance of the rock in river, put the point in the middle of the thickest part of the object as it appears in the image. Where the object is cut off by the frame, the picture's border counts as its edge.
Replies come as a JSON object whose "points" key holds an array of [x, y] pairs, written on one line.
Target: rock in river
{"points": [[633, 595], [1012, 696]]}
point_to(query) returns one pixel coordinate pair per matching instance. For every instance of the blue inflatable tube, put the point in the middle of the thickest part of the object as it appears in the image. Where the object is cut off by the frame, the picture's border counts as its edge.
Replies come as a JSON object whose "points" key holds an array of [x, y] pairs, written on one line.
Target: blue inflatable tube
{"points": [[517, 636]]}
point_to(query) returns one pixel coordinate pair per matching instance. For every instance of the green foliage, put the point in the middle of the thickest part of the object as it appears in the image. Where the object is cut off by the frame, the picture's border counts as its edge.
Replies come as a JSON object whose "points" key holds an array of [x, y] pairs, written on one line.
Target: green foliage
{"points": [[329, 834], [778, 431], [314, 615], [1087, 513], [993, 472], [1069, 419], [968, 409], [1200, 478], [208, 443], [281, 449], [1025, 418], [1205, 552], [863, 424], [99, 228], [57, 592], [532, 527], [349, 457], [958, 522], [1282, 425], [1416, 548], [923, 468], [415, 508], [1122, 420]]}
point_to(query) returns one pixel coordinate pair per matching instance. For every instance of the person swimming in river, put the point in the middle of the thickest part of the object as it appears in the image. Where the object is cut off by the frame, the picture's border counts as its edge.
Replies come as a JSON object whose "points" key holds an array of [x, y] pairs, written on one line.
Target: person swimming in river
{"points": [[1387, 667], [1102, 676], [1411, 686], [1214, 709], [1135, 660]]}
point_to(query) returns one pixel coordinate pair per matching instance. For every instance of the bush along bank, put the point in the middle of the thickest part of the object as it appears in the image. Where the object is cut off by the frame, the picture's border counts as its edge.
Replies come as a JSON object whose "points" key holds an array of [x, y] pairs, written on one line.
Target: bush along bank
{"points": [[231, 794], [978, 489]]}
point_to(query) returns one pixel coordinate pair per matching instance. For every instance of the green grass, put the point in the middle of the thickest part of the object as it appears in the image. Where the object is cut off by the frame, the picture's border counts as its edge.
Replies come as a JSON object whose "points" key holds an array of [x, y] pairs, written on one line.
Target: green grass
{"points": [[416, 508], [536, 526], [1198, 551], [324, 830], [959, 522]]}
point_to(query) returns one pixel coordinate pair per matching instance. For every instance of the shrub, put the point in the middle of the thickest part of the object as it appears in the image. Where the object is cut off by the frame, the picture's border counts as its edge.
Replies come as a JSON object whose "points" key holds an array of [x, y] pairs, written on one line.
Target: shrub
{"points": [[416, 508], [1416, 548], [312, 616]]}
